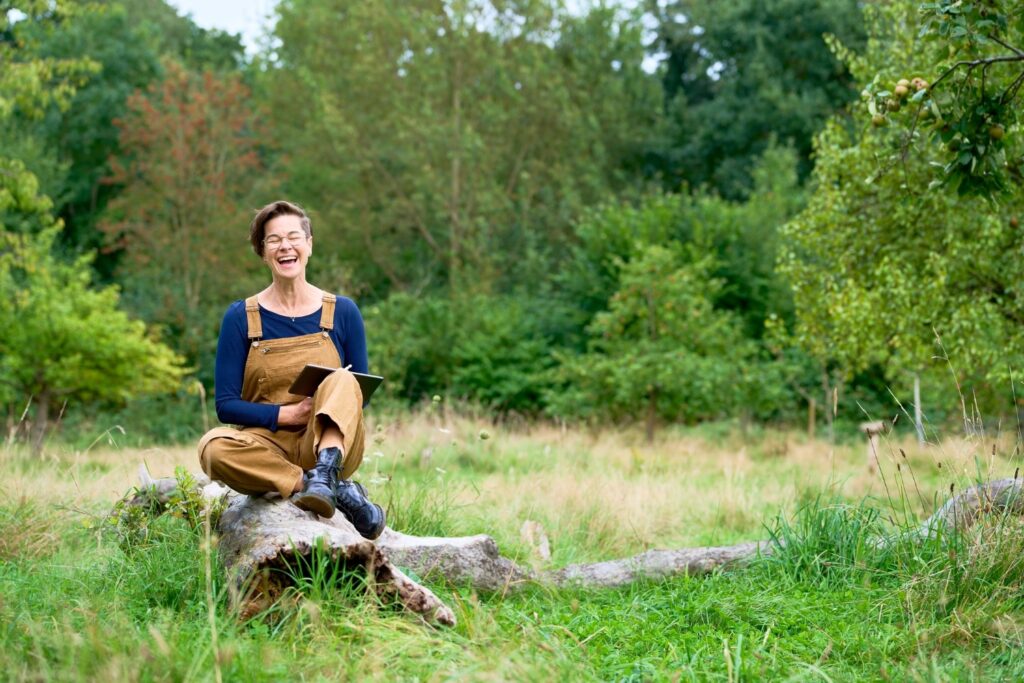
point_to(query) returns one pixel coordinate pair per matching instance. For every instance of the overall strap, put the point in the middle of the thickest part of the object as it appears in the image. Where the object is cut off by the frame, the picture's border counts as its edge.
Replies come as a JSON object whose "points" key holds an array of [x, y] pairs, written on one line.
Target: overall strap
{"points": [[327, 312], [252, 316]]}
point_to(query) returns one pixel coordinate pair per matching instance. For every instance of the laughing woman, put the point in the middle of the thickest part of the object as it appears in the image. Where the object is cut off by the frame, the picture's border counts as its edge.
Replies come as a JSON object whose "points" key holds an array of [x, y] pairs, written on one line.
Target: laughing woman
{"points": [[305, 449]]}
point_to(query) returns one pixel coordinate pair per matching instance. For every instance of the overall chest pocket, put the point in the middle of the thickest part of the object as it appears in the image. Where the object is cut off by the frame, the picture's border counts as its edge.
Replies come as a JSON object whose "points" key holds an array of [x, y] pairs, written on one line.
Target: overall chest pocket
{"points": [[274, 365]]}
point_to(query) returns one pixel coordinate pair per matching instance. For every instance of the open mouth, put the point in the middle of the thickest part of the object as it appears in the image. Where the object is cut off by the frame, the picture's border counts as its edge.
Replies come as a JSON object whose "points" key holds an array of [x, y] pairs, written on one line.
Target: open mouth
{"points": [[287, 260]]}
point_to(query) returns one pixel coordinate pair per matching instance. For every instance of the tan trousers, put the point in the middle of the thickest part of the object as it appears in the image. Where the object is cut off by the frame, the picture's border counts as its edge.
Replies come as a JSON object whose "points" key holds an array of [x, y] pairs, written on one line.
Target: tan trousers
{"points": [[255, 460]]}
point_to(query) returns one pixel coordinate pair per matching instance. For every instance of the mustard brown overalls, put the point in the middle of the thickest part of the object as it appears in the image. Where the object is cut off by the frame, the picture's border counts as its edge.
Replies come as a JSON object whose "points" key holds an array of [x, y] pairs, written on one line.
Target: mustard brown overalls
{"points": [[256, 460]]}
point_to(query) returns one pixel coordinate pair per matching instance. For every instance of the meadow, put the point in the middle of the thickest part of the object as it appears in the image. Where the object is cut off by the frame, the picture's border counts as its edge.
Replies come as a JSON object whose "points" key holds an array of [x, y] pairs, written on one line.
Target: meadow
{"points": [[828, 604], [662, 213]]}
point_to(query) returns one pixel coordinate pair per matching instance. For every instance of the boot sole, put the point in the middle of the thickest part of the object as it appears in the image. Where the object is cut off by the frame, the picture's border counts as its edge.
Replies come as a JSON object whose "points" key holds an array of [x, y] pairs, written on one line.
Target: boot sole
{"points": [[315, 503]]}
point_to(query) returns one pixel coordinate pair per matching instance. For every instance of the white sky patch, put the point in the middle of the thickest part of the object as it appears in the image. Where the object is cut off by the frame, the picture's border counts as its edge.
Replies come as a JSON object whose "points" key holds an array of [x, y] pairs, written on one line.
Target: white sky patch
{"points": [[250, 18]]}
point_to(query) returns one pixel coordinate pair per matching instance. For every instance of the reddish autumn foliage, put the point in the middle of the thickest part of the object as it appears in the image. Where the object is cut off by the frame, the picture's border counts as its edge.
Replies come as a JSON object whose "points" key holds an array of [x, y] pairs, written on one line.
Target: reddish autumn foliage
{"points": [[190, 159]]}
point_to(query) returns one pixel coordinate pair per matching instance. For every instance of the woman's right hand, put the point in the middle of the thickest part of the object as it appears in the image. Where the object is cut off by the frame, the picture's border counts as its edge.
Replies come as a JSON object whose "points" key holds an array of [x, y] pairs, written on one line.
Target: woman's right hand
{"points": [[293, 414]]}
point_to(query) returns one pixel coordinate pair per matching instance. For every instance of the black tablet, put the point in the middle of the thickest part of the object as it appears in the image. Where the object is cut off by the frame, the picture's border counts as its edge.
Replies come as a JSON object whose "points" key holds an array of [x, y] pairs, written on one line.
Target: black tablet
{"points": [[311, 376]]}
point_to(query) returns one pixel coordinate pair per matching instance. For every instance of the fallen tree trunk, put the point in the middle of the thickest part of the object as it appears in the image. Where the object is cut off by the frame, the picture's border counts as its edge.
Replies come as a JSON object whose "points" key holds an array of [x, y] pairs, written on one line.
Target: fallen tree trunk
{"points": [[1000, 496], [262, 540], [654, 564], [261, 537]]}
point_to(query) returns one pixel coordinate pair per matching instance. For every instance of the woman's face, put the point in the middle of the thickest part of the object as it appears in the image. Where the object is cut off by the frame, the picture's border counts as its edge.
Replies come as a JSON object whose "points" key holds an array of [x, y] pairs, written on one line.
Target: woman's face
{"points": [[286, 248]]}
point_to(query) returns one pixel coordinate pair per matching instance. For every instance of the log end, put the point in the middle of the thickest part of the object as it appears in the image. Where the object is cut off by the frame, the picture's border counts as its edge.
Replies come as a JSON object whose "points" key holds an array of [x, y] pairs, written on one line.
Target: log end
{"points": [[266, 542]]}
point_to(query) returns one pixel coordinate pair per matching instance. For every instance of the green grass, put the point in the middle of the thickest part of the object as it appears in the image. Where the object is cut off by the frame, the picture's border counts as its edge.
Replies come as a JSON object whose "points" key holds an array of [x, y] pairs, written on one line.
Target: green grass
{"points": [[89, 612], [79, 602]]}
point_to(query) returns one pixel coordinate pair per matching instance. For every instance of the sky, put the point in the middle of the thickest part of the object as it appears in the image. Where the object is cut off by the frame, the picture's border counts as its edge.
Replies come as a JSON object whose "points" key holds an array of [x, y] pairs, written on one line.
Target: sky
{"points": [[250, 17], [247, 17]]}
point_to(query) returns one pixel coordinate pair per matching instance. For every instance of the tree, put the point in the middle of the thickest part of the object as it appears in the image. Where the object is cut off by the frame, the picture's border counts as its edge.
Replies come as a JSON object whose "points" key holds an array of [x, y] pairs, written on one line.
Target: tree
{"points": [[967, 104], [879, 265], [661, 350], [69, 148], [29, 82], [738, 75], [180, 39], [63, 340], [191, 158], [29, 85], [60, 339], [742, 237], [447, 146]]}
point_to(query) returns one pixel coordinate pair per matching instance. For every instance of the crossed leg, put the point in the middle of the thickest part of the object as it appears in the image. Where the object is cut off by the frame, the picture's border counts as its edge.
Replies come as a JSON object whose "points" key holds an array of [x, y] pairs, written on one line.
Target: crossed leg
{"points": [[255, 461]]}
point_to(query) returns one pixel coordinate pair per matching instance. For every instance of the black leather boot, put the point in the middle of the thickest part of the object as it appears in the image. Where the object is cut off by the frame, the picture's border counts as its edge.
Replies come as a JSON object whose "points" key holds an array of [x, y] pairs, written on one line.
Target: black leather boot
{"points": [[368, 518], [319, 484]]}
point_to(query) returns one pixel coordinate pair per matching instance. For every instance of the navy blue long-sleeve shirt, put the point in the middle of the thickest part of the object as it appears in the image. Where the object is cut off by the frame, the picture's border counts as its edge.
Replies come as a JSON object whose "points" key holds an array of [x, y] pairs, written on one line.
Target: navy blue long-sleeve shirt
{"points": [[348, 335]]}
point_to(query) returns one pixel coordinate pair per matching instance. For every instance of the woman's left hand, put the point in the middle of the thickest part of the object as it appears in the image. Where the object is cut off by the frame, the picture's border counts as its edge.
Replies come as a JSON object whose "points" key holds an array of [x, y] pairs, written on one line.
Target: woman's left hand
{"points": [[294, 414]]}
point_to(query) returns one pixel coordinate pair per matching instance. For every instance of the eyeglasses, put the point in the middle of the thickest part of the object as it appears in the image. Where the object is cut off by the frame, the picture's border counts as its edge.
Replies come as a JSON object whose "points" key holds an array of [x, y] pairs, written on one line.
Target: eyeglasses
{"points": [[295, 238]]}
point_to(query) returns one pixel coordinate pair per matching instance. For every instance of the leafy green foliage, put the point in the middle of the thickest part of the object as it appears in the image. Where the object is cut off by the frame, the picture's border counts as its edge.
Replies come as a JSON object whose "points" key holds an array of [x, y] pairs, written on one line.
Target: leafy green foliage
{"points": [[499, 356], [487, 350], [60, 339], [68, 136], [660, 347], [720, 255], [449, 137], [740, 74], [63, 340], [29, 81], [176, 36], [742, 237], [82, 136], [190, 147], [479, 176], [410, 339], [880, 267], [971, 54], [188, 503]]}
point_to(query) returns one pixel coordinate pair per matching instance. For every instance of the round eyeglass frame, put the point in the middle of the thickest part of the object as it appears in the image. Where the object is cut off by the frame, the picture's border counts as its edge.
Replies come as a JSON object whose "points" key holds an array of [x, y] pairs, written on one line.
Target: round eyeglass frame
{"points": [[295, 238]]}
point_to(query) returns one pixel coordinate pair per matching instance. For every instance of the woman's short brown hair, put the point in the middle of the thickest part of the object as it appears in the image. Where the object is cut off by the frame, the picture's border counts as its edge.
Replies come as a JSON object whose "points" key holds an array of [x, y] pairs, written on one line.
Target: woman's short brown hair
{"points": [[269, 212]]}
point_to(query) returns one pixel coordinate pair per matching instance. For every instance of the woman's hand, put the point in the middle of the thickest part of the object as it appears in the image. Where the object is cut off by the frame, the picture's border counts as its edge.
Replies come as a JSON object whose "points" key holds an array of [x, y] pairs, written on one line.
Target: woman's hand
{"points": [[294, 414]]}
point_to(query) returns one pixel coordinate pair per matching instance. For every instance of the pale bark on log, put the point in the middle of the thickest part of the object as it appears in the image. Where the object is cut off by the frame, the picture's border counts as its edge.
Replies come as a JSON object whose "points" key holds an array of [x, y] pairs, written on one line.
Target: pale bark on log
{"points": [[654, 564], [1000, 496], [262, 540], [259, 535], [471, 560]]}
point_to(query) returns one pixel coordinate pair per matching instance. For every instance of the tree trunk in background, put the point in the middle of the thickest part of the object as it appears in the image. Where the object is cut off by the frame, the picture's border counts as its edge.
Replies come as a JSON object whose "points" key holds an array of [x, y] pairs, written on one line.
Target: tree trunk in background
{"points": [[41, 420], [812, 418], [652, 331], [652, 415], [918, 422], [829, 405], [455, 199]]}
